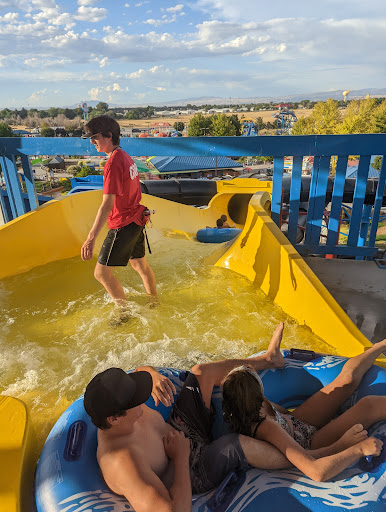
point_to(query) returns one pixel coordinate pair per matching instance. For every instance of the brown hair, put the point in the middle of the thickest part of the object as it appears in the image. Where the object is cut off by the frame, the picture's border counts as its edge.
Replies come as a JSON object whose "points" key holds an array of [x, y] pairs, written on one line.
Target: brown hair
{"points": [[105, 125], [242, 398], [102, 423]]}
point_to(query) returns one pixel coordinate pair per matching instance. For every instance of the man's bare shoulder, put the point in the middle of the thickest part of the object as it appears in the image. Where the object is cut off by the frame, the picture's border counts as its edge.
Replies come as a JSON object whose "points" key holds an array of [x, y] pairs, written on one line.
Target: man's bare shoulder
{"points": [[120, 463]]}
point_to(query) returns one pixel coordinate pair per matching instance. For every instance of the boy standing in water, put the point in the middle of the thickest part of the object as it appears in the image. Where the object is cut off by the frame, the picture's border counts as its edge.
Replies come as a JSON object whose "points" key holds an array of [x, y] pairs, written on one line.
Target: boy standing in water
{"points": [[123, 212]]}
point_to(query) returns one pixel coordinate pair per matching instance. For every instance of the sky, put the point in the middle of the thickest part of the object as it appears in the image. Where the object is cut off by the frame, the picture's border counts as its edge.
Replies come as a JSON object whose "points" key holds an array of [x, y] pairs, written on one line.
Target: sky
{"points": [[146, 52]]}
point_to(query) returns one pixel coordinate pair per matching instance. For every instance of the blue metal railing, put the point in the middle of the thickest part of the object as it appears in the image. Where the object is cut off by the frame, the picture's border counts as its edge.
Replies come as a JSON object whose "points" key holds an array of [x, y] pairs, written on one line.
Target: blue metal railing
{"points": [[364, 218]]}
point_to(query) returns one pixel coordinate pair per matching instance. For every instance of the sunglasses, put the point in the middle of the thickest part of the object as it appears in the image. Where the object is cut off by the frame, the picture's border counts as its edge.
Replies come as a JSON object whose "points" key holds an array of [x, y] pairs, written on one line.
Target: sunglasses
{"points": [[91, 137]]}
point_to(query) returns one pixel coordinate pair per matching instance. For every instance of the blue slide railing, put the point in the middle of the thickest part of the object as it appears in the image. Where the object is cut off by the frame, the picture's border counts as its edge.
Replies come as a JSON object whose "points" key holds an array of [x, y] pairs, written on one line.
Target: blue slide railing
{"points": [[364, 218]]}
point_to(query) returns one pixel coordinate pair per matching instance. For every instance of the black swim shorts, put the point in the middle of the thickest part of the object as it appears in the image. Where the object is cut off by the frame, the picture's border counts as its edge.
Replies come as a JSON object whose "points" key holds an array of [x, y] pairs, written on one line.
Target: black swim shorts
{"points": [[210, 461], [122, 244]]}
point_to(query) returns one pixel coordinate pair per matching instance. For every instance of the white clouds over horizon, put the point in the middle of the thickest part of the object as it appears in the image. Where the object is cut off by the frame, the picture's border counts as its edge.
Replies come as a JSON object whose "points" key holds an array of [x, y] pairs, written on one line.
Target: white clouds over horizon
{"points": [[279, 48]]}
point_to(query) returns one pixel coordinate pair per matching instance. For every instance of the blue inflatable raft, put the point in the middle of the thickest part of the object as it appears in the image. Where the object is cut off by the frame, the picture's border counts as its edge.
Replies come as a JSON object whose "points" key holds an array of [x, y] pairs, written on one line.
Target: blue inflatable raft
{"points": [[216, 236], [68, 477]]}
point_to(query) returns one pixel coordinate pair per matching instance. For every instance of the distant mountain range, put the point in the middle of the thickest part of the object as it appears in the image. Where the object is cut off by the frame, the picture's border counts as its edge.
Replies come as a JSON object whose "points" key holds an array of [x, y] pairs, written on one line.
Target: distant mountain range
{"points": [[214, 100]]}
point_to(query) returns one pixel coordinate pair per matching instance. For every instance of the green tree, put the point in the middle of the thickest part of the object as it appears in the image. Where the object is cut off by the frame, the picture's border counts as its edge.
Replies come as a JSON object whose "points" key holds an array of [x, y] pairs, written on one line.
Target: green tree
{"points": [[199, 126], [222, 126], [324, 119], [179, 126], [23, 113], [5, 130], [234, 119], [42, 114], [359, 117], [300, 127], [86, 170], [69, 113], [102, 107], [377, 163], [46, 131], [380, 118], [53, 112], [259, 123]]}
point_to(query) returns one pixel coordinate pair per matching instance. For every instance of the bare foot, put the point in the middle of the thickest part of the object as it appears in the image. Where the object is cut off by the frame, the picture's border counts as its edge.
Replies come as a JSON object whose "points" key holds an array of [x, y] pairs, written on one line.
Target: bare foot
{"points": [[152, 301], [371, 446], [273, 354], [354, 435]]}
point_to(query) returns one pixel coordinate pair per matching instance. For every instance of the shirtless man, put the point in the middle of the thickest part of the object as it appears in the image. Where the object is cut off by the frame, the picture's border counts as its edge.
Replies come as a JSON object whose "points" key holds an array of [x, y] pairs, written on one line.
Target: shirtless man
{"points": [[150, 461]]}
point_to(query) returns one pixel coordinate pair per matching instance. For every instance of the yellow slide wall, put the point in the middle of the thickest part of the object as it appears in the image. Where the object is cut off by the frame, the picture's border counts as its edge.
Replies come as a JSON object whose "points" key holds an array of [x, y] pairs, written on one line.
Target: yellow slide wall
{"points": [[15, 466]]}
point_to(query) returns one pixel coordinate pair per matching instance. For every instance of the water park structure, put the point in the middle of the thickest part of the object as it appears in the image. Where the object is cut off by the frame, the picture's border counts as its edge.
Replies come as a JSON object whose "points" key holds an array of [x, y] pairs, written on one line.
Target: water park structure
{"points": [[270, 260]]}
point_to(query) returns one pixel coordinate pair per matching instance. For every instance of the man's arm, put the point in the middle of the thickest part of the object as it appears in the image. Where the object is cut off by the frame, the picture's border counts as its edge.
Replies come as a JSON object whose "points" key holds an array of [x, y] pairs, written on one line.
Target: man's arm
{"points": [[100, 220], [163, 388], [133, 478], [321, 469]]}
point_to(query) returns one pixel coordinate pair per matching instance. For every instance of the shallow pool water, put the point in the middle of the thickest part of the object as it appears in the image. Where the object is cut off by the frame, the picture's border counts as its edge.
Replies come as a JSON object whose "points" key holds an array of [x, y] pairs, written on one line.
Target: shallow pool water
{"points": [[55, 333]]}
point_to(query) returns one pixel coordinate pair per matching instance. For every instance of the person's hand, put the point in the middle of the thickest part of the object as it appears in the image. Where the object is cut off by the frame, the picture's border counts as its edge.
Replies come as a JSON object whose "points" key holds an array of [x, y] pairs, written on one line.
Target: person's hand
{"points": [[176, 445], [163, 390], [371, 446], [87, 249]]}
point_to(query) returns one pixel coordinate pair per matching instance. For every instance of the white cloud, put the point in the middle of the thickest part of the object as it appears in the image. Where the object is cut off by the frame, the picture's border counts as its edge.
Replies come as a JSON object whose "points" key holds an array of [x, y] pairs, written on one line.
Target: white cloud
{"points": [[176, 8], [90, 14], [86, 2], [164, 20], [37, 97], [10, 17], [94, 93]]}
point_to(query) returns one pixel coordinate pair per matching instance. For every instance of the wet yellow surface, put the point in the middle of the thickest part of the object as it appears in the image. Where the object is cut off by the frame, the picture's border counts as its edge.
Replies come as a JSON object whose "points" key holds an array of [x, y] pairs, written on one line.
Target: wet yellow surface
{"points": [[55, 333]]}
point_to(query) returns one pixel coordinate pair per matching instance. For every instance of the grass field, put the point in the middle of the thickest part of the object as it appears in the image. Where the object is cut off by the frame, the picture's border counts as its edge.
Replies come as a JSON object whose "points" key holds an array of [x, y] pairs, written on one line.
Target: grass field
{"points": [[267, 115]]}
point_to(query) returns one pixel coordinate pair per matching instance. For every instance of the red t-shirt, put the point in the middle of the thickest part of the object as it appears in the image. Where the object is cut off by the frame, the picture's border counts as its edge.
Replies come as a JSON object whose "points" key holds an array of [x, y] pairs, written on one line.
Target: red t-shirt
{"points": [[121, 178]]}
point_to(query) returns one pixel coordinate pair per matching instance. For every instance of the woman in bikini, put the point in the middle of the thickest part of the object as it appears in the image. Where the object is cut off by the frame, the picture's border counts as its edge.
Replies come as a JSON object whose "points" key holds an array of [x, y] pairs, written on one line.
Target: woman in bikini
{"points": [[309, 436]]}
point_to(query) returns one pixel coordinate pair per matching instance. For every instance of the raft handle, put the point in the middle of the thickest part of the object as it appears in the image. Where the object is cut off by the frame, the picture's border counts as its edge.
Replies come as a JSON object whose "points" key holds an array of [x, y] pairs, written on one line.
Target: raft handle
{"points": [[227, 490], [75, 440], [301, 354]]}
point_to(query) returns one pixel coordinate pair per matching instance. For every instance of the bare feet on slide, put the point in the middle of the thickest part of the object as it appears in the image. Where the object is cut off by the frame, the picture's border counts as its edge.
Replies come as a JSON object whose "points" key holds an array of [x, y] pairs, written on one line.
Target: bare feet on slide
{"points": [[273, 356], [354, 435]]}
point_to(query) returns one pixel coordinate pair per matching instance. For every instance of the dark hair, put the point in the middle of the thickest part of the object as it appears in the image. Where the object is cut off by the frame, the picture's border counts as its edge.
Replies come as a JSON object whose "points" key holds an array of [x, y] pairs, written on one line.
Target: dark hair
{"points": [[219, 223], [223, 218], [102, 423], [105, 125], [242, 398]]}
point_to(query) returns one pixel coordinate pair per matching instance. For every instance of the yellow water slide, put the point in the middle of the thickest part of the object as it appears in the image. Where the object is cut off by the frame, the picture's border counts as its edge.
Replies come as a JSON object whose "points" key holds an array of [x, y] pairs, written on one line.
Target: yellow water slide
{"points": [[261, 252]]}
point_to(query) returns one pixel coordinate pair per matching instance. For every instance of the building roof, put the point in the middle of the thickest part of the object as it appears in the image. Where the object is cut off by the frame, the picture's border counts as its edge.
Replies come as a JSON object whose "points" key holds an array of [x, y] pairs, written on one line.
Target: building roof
{"points": [[170, 164], [352, 172]]}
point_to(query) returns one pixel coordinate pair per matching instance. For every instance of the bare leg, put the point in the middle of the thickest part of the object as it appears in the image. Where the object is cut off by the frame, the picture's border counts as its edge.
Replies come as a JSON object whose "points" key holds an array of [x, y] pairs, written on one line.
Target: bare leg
{"points": [[321, 407], [262, 455], [212, 374], [105, 276], [367, 411], [146, 273]]}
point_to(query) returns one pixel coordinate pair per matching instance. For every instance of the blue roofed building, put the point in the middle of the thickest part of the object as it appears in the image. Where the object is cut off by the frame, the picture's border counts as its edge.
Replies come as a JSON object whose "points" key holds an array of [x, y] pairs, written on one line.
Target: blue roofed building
{"points": [[203, 166]]}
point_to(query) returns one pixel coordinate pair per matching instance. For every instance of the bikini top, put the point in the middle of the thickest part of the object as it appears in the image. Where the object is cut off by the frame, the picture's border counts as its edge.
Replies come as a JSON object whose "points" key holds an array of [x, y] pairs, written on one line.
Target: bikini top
{"points": [[279, 418]]}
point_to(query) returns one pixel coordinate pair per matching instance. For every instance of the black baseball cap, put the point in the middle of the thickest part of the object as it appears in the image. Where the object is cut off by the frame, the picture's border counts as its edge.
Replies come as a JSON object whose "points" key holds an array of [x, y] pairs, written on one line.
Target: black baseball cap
{"points": [[114, 390]]}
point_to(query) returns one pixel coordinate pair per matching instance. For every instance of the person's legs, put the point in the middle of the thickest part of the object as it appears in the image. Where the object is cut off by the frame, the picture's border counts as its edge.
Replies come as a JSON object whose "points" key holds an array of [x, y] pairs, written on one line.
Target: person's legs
{"points": [[105, 276], [262, 455], [146, 273], [321, 407], [212, 374], [366, 412]]}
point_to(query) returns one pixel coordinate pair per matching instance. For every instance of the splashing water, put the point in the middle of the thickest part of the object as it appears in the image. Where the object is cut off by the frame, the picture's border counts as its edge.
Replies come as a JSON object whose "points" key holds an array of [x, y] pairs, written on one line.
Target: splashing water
{"points": [[55, 333]]}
